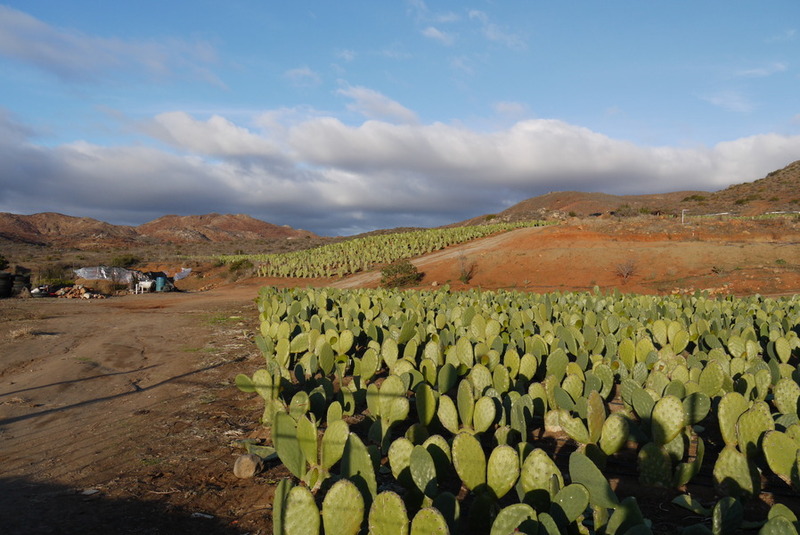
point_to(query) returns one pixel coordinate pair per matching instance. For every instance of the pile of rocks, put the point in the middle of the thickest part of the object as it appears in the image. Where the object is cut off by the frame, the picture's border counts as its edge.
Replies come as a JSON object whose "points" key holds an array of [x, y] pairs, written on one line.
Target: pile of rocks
{"points": [[78, 292]]}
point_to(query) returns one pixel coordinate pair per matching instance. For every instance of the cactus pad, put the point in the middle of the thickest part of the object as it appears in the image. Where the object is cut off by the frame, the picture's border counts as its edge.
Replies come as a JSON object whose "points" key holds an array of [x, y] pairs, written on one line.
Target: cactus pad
{"points": [[655, 466], [469, 461], [569, 503], [343, 509], [781, 454], [300, 513], [734, 475], [668, 419], [751, 425], [429, 521], [731, 406], [388, 515], [517, 518], [583, 471], [535, 476], [614, 434], [786, 393], [502, 470], [423, 470], [484, 414]]}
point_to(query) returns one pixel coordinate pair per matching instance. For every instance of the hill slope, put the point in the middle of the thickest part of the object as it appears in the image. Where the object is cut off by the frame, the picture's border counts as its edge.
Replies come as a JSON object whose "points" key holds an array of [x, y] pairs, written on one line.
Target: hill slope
{"points": [[779, 191], [82, 232]]}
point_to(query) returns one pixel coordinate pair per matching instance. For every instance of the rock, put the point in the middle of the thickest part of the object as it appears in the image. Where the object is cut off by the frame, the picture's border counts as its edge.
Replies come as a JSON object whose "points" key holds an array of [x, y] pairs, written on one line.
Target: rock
{"points": [[247, 465], [434, 284]]}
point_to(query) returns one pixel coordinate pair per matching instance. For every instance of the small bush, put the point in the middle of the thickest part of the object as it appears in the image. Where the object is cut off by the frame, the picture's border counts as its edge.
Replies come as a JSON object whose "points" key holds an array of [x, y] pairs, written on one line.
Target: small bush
{"points": [[466, 269], [625, 210], [399, 274], [626, 270], [240, 268], [696, 198], [124, 261]]}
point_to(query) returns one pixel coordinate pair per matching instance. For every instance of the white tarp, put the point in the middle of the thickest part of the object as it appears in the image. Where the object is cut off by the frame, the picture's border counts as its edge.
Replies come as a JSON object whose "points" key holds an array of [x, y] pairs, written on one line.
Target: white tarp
{"points": [[182, 274], [105, 273]]}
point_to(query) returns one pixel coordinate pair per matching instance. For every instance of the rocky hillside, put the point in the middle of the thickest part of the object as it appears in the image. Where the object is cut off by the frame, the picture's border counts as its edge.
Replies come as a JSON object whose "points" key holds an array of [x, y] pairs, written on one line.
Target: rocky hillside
{"points": [[779, 191], [215, 228], [82, 232]]}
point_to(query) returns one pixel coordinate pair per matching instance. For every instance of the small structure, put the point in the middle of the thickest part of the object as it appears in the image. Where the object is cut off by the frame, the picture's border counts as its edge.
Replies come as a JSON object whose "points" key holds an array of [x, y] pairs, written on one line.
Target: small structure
{"points": [[137, 281]]}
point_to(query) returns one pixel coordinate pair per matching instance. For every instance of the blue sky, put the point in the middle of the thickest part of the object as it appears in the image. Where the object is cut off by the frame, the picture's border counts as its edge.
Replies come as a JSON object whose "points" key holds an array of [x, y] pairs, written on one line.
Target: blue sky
{"points": [[342, 117]]}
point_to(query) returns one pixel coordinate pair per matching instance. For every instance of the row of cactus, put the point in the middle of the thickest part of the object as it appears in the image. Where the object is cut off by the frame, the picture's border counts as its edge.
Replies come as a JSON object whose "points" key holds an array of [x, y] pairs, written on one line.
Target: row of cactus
{"points": [[547, 506], [456, 387], [361, 254]]}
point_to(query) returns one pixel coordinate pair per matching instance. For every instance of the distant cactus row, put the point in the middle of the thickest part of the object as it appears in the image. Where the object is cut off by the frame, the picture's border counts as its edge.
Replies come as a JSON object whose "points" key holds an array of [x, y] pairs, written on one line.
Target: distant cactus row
{"points": [[419, 412], [361, 254]]}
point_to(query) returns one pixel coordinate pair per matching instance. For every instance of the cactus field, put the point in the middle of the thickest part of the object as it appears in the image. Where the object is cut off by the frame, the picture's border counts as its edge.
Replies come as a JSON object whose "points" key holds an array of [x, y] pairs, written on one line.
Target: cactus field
{"points": [[506, 412]]}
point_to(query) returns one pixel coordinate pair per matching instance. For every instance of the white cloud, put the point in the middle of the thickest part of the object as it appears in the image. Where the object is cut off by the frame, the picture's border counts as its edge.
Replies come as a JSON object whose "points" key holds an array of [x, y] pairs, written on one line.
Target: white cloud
{"points": [[374, 105], [761, 72], [510, 108], [785, 36], [303, 77], [346, 55], [495, 33], [314, 171], [76, 57], [215, 137], [731, 101], [438, 35]]}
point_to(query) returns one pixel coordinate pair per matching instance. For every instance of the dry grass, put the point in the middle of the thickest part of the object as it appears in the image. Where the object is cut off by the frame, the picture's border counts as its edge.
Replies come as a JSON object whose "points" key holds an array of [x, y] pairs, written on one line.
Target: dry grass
{"points": [[22, 332]]}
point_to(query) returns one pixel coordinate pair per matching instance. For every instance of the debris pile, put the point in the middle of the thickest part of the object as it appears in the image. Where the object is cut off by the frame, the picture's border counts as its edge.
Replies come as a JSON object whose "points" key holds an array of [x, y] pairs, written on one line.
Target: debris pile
{"points": [[78, 292]]}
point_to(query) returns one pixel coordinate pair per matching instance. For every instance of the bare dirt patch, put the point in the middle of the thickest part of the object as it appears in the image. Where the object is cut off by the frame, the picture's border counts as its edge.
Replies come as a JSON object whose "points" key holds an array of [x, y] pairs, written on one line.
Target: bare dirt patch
{"points": [[118, 415]]}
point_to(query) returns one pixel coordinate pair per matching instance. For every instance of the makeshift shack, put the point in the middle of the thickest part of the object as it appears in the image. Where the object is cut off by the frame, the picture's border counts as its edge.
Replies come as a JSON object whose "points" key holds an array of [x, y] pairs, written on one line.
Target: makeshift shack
{"points": [[137, 281]]}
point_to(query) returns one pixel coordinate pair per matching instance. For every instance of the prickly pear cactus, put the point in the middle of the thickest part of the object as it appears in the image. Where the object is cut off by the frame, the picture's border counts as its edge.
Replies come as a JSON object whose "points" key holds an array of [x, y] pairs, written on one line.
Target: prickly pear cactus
{"points": [[300, 513], [573, 426], [568, 504], [731, 406], [655, 466], [536, 474], [287, 444], [668, 419], [583, 471], [400, 460], [469, 461], [388, 515], [429, 521], [751, 425], [484, 414], [517, 518], [502, 470], [426, 403], [342, 509], [786, 393], [734, 474], [614, 433], [781, 454], [423, 471], [696, 406]]}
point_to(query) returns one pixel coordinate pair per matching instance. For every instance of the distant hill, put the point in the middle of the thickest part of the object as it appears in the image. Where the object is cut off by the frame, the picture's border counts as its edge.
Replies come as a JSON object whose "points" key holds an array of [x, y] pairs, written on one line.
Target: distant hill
{"points": [[215, 228], [82, 232], [779, 191]]}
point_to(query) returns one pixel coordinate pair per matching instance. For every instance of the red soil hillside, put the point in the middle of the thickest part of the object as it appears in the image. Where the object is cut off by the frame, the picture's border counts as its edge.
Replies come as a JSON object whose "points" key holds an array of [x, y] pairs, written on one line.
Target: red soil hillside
{"points": [[215, 228]]}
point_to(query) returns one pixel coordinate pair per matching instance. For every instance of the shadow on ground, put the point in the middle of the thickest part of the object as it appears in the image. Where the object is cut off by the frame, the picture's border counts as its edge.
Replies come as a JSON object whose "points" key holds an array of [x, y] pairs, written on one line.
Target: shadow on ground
{"points": [[33, 508]]}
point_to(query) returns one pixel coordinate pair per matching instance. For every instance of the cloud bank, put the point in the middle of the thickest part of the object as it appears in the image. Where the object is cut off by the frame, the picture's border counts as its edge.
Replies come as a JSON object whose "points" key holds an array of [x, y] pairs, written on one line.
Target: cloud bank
{"points": [[75, 57], [316, 172]]}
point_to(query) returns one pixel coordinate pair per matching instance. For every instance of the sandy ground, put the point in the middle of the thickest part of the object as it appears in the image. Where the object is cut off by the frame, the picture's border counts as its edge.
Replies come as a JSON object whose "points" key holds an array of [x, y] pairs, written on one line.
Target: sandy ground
{"points": [[119, 415]]}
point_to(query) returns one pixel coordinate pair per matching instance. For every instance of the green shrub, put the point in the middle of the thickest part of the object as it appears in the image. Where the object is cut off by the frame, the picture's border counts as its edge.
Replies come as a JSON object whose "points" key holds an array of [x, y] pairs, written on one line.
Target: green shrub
{"points": [[399, 274], [124, 261]]}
